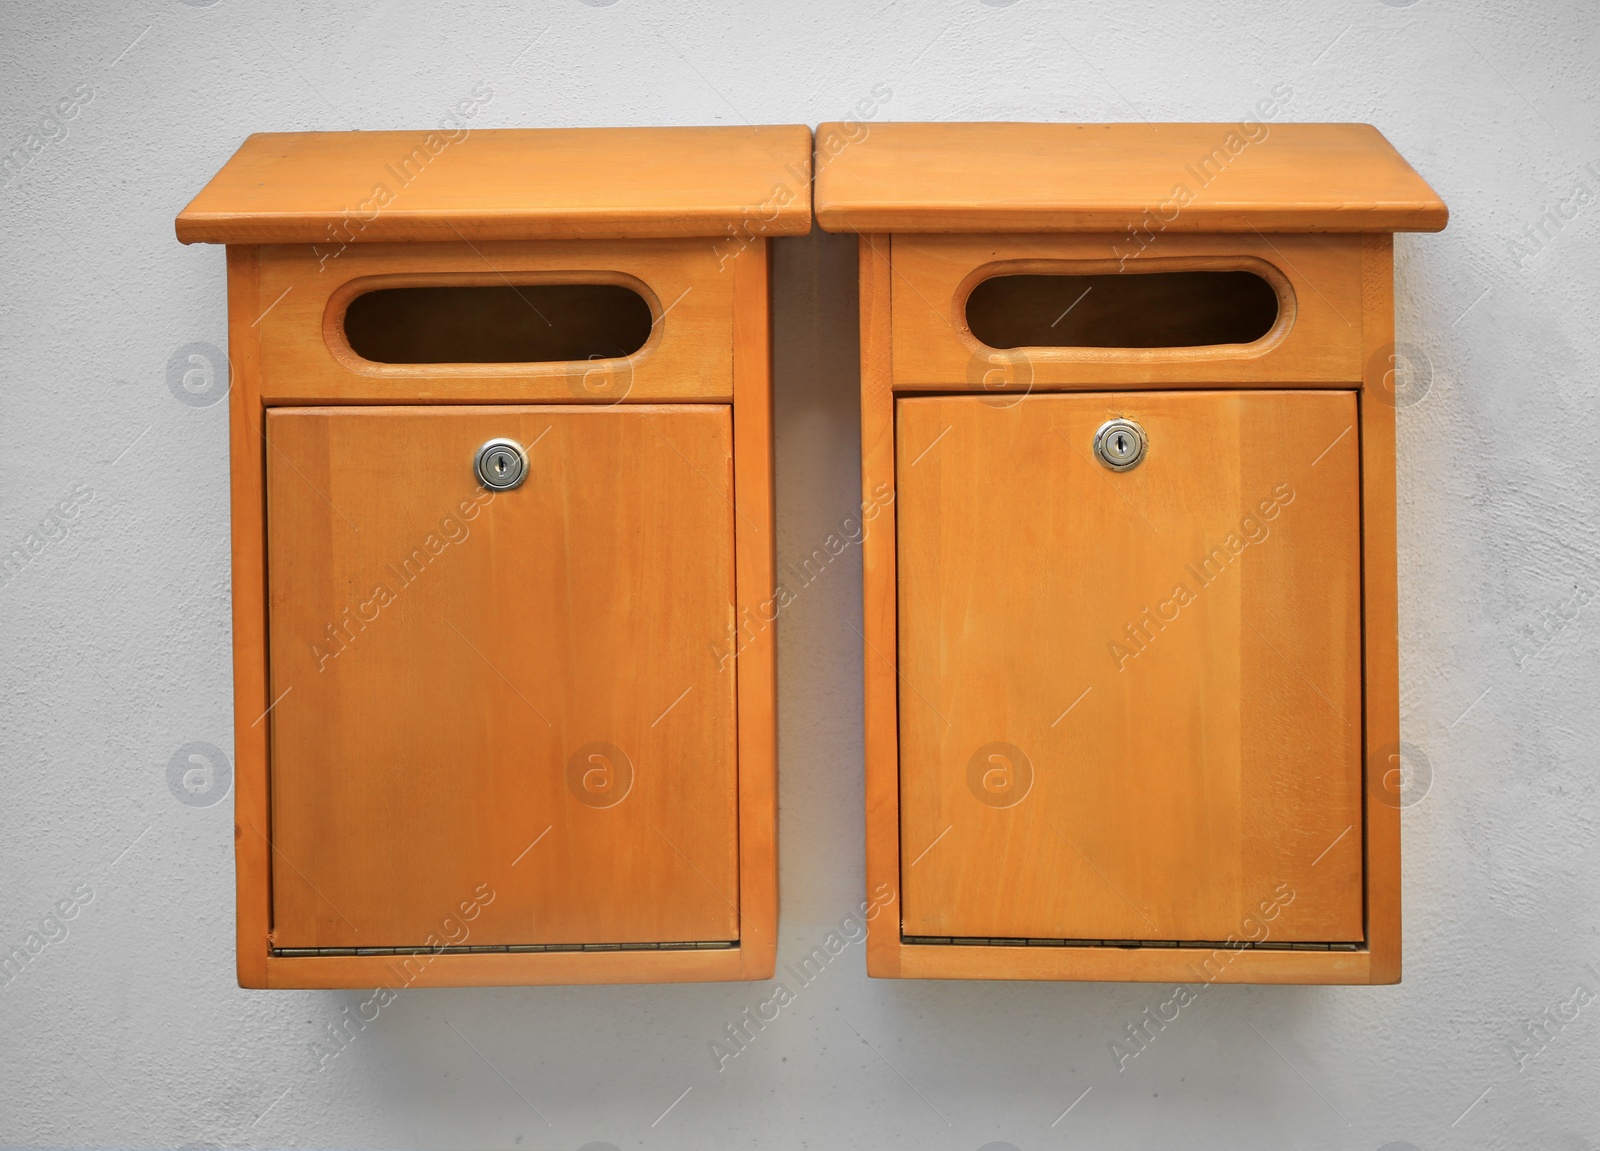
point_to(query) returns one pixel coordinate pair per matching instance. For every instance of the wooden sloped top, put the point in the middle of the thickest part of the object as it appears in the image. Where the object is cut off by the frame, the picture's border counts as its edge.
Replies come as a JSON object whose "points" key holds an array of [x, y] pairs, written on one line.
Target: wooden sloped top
{"points": [[506, 184], [1006, 177]]}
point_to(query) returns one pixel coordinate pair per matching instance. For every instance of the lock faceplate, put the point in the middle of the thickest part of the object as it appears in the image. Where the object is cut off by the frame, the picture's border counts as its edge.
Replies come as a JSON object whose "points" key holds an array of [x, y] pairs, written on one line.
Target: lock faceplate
{"points": [[501, 464], [1120, 444]]}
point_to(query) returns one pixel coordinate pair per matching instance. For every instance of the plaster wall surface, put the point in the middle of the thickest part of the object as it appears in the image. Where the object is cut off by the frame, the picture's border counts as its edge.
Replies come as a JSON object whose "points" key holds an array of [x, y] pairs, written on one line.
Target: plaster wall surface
{"points": [[114, 635]]}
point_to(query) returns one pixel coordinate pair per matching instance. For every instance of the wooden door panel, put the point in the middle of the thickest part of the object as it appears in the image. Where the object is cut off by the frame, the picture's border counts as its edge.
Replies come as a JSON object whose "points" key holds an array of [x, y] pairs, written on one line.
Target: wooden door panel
{"points": [[1130, 704], [499, 718]]}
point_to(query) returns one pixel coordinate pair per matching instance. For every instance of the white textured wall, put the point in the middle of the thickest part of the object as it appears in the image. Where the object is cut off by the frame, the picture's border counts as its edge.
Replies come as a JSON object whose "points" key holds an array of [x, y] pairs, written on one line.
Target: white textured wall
{"points": [[114, 648]]}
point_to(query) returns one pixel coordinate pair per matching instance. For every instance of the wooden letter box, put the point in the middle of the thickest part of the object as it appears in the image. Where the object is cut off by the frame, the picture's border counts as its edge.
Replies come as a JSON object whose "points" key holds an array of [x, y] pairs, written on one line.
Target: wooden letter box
{"points": [[502, 487], [1131, 667]]}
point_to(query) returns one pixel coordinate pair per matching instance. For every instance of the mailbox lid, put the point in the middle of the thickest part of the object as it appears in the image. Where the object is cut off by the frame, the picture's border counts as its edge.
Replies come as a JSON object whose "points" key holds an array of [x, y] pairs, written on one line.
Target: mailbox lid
{"points": [[507, 184], [516, 692], [1021, 177], [1131, 702]]}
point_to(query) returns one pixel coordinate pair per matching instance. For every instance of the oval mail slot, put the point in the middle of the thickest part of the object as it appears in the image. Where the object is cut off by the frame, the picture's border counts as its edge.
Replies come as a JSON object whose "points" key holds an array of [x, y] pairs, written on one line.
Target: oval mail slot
{"points": [[1122, 310], [497, 323]]}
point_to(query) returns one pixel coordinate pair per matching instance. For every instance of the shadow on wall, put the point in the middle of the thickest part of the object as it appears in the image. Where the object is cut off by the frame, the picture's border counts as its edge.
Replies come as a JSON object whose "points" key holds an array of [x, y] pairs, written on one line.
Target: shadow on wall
{"points": [[820, 527]]}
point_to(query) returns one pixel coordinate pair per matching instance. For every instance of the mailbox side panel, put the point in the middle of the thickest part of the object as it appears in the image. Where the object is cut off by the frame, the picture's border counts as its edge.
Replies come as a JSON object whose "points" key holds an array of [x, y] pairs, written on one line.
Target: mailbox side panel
{"points": [[247, 451], [879, 592], [750, 653]]}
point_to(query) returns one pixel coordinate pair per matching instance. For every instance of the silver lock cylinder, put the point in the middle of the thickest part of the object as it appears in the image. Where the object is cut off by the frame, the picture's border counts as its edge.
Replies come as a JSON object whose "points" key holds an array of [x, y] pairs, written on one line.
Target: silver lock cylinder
{"points": [[501, 464], [1120, 444]]}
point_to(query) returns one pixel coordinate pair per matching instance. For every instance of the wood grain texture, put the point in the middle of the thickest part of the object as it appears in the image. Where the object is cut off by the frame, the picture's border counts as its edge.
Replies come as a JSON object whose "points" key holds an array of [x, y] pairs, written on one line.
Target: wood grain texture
{"points": [[1193, 967], [252, 828], [1131, 703], [689, 287], [1380, 587], [752, 655], [880, 655], [1018, 177], [507, 184], [499, 969], [1317, 340], [464, 685]]}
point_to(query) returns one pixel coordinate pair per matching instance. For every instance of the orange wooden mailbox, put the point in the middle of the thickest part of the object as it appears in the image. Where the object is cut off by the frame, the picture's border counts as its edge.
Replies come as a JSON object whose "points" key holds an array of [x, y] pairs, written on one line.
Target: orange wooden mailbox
{"points": [[502, 483], [1131, 666]]}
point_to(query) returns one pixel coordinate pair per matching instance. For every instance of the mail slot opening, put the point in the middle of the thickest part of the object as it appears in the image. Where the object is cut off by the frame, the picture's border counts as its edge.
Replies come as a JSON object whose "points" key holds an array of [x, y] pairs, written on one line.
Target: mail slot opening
{"points": [[497, 323], [1122, 310]]}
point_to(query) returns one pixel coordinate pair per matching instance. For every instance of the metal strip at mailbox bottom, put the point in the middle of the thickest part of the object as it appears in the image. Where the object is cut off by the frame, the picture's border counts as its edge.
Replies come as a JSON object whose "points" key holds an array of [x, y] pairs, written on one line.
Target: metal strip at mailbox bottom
{"points": [[502, 949], [1168, 944]]}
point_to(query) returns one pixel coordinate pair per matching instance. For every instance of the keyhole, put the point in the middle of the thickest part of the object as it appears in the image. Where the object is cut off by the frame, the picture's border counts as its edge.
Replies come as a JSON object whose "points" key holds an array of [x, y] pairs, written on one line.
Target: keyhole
{"points": [[500, 465], [1120, 444]]}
